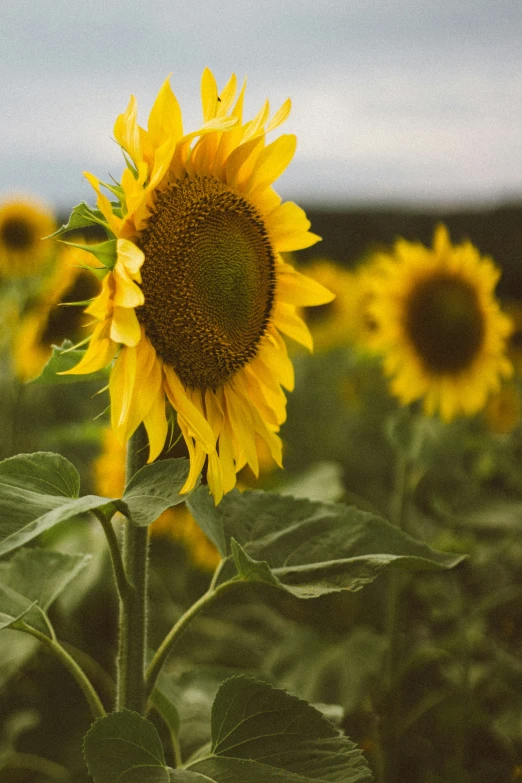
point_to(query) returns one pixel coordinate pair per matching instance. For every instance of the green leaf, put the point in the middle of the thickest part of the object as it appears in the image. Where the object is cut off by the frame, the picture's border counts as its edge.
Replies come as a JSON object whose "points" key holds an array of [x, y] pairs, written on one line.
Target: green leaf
{"points": [[37, 491], [105, 252], [64, 358], [82, 216], [125, 747], [252, 570], [260, 734], [42, 574], [312, 548], [155, 488], [14, 606]]}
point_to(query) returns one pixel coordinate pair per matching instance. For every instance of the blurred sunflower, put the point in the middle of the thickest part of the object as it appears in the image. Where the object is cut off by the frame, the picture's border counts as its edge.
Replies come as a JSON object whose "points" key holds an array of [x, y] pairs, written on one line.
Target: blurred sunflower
{"points": [[23, 223], [331, 323], [346, 319], [440, 326], [47, 320], [196, 294], [176, 523]]}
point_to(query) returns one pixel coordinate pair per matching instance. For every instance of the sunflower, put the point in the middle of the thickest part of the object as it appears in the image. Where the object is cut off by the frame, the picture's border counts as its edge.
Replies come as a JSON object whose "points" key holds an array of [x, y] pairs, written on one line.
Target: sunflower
{"points": [[47, 321], [176, 523], [196, 294], [23, 223], [440, 326], [346, 319]]}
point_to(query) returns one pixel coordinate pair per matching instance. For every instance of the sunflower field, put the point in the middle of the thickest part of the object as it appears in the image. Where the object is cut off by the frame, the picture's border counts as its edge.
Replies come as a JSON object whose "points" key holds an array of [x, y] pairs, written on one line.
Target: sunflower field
{"points": [[260, 497]]}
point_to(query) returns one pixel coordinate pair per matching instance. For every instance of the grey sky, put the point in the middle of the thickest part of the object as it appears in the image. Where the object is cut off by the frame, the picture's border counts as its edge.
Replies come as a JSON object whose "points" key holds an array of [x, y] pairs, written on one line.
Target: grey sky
{"points": [[392, 101]]}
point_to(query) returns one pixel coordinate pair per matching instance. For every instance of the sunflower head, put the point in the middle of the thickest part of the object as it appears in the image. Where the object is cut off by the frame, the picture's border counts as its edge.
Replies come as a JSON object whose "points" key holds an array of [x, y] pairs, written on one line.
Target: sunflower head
{"points": [[196, 295], [440, 326], [23, 224]]}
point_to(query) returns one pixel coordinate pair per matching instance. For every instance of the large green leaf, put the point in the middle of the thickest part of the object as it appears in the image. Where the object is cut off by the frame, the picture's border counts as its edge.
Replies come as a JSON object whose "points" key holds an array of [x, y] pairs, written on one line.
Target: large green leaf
{"points": [[41, 574], [260, 734], [63, 358], [37, 491], [311, 548], [155, 488], [125, 747]]}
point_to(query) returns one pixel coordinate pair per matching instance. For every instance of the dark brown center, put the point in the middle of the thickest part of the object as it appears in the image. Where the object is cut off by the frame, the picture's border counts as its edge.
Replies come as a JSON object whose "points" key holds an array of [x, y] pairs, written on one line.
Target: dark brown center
{"points": [[17, 234], [445, 323], [208, 280]]}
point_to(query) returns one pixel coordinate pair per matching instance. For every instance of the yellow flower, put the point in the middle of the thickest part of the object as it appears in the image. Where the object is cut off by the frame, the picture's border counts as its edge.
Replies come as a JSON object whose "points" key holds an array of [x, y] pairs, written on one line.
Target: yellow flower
{"points": [[346, 319], [197, 296], [176, 523], [23, 223], [440, 326], [47, 321]]}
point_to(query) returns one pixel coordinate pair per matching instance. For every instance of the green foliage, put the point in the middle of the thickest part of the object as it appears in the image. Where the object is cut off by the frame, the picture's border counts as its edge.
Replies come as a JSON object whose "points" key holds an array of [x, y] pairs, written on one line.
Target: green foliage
{"points": [[31, 581], [311, 548], [37, 491], [125, 747], [154, 488], [82, 216], [62, 359], [261, 734], [42, 574]]}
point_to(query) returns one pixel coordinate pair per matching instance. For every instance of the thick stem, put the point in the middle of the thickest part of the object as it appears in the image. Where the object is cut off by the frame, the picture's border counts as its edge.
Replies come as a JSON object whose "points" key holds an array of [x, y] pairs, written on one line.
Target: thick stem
{"points": [[175, 632], [130, 689]]}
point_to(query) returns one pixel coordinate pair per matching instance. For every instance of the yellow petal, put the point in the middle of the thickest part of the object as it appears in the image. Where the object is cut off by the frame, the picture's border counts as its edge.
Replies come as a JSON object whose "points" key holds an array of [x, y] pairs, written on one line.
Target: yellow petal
{"points": [[125, 327], [288, 322], [209, 95], [297, 289], [104, 205], [165, 120], [131, 257], [215, 477], [240, 418], [271, 162], [199, 427], [100, 352], [121, 387], [126, 130], [280, 116]]}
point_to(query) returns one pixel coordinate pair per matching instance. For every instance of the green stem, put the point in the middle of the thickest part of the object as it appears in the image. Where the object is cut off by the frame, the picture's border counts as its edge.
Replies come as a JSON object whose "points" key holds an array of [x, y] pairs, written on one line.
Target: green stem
{"points": [[130, 687], [175, 632], [29, 761], [68, 661], [122, 584]]}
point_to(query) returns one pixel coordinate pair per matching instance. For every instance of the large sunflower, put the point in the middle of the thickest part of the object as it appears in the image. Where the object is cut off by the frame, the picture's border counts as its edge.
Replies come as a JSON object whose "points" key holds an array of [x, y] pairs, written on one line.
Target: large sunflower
{"points": [[440, 326], [196, 295], [23, 223]]}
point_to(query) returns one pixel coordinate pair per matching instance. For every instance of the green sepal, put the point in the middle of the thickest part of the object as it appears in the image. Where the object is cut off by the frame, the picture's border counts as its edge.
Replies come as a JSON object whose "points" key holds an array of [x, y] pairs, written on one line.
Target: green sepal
{"points": [[105, 252], [251, 570], [82, 216]]}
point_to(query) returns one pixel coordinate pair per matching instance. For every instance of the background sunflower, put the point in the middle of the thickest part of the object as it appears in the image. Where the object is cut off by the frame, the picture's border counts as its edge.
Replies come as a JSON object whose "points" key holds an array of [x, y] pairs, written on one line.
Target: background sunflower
{"points": [[440, 326]]}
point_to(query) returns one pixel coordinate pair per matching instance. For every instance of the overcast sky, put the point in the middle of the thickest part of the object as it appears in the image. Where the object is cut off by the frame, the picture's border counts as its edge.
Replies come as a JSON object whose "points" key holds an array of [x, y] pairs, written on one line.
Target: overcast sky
{"points": [[393, 100]]}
